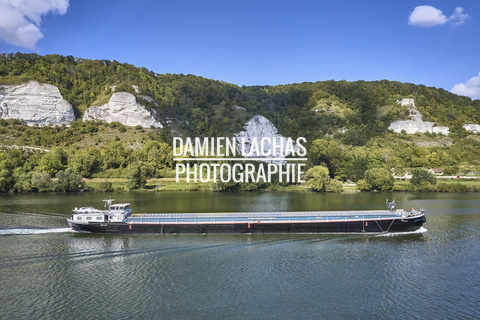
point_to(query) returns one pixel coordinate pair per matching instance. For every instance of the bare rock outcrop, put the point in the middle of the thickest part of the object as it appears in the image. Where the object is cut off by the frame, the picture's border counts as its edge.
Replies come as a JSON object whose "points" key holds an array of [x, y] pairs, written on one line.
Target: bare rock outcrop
{"points": [[475, 128], [257, 128], [35, 103], [124, 108], [416, 124]]}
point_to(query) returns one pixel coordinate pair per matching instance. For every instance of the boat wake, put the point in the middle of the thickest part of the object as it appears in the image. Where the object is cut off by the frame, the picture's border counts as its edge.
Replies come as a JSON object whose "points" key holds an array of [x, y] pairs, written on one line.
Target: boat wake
{"points": [[13, 231], [391, 234]]}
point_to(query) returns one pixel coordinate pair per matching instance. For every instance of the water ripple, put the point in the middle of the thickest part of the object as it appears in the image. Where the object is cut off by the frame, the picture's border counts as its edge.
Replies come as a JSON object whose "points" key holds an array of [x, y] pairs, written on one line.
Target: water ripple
{"points": [[413, 276]]}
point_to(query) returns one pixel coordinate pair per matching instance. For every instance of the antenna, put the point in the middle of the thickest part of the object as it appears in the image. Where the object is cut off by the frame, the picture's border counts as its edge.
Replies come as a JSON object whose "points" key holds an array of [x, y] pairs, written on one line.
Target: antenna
{"points": [[391, 205], [108, 202]]}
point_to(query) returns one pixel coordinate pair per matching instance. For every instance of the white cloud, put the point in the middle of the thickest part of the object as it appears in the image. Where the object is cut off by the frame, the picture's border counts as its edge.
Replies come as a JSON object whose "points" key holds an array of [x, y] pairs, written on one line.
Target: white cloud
{"points": [[20, 19], [458, 17], [470, 89], [428, 16]]}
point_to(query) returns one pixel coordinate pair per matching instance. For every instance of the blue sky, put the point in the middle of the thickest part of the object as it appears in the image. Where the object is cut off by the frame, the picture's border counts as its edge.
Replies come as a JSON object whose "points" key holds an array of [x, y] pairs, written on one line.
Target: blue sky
{"points": [[435, 43]]}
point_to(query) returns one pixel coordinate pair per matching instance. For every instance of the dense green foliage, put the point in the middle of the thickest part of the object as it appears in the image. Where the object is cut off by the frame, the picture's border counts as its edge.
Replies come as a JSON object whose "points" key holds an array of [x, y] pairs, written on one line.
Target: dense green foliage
{"points": [[345, 124], [62, 167], [317, 178], [376, 179], [422, 180], [420, 176], [333, 185]]}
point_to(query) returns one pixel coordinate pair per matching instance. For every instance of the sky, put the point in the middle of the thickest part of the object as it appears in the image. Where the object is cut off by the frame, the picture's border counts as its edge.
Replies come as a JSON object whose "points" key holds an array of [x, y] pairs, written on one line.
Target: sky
{"points": [[261, 42]]}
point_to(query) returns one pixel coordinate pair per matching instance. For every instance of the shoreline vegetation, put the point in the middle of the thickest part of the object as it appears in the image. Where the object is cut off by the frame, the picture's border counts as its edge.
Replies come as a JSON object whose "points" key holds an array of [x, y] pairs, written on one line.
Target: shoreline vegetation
{"points": [[96, 156], [345, 126], [169, 184]]}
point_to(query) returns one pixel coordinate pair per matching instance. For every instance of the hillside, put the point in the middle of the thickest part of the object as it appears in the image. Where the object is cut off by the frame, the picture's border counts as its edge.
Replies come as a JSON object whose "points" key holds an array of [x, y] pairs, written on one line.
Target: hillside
{"points": [[345, 123], [199, 106]]}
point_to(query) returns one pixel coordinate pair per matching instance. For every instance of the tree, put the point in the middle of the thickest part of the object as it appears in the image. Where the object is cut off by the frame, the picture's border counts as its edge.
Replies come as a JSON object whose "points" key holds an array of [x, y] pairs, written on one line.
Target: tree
{"points": [[328, 152], [41, 182], [114, 155], [6, 180], [53, 161], [317, 178], [136, 176], [356, 162], [23, 180], [84, 162], [69, 181], [156, 156], [422, 178], [379, 179]]}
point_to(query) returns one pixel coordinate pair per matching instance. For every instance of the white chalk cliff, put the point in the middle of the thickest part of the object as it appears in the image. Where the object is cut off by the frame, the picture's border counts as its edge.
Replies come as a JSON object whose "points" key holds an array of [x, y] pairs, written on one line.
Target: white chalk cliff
{"points": [[124, 108], [35, 103], [416, 124], [475, 128], [257, 128]]}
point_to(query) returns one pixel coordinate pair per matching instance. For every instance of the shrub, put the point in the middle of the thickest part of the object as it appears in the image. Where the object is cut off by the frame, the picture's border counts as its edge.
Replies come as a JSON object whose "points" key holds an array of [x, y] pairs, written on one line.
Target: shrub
{"points": [[68, 181], [105, 186], [333, 186], [223, 186], [450, 171], [421, 176], [452, 187], [317, 178], [41, 182], [249, 186], [363, 185], [379, 179], [398, 188], [424, 187]]}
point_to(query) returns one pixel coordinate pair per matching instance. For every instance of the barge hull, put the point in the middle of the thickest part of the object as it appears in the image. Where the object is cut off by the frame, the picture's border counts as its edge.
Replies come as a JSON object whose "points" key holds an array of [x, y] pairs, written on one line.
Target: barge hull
{"points": [[370, 226]]}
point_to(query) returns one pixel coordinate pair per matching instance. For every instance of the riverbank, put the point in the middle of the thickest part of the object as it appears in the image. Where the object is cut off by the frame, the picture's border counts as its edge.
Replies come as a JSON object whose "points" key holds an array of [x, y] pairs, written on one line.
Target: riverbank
{"points": [[170, 184]]}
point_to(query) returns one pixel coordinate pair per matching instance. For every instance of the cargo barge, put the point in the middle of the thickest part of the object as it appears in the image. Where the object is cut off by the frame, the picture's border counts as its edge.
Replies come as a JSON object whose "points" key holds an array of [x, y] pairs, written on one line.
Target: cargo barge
{"points": [[118, 218]]}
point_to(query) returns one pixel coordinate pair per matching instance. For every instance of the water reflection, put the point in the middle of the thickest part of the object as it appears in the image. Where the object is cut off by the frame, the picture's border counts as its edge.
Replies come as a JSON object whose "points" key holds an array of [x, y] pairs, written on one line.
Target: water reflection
{"points": [[60, 205], [67, 275]]}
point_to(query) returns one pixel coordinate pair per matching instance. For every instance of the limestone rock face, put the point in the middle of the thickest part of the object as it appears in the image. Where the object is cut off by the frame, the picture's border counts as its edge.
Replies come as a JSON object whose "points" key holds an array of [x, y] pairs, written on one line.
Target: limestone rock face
{"points": [[124, 108], [257, 128], [475, 128], [35, 103], [416, 124]]}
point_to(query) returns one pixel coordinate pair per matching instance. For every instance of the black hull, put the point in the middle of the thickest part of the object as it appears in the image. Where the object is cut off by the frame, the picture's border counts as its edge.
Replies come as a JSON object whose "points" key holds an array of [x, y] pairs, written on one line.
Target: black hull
{"points": [[371, 226]]}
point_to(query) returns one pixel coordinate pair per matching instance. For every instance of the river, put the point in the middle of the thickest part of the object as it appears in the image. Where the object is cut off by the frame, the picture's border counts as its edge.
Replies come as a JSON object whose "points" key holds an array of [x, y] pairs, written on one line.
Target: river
{"points": [[50, 272]]}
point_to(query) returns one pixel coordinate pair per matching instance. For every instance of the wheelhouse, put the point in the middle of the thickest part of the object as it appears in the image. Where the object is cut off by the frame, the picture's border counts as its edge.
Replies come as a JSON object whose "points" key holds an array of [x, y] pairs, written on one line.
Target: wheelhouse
{"points": [[115, 213]]}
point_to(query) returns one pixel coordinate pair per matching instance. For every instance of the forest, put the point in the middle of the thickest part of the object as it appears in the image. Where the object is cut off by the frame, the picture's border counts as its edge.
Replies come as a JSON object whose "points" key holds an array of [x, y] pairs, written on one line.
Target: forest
{"points": [[345, 124]]}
